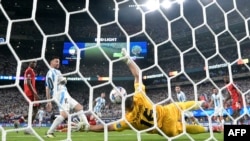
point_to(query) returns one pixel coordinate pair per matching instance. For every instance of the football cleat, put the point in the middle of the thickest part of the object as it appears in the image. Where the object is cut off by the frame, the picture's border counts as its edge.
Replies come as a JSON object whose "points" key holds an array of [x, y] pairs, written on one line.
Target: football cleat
{"points": [[50, 135]]}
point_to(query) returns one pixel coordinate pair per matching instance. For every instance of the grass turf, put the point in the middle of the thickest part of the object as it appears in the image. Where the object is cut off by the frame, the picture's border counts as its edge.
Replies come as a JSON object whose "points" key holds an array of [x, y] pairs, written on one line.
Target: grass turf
{"points": [[113, 136]]}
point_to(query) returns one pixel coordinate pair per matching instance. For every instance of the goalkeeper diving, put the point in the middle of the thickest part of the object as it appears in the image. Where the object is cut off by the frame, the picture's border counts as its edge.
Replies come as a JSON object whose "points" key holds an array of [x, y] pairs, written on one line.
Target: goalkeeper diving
{"points": [[139, 112]]}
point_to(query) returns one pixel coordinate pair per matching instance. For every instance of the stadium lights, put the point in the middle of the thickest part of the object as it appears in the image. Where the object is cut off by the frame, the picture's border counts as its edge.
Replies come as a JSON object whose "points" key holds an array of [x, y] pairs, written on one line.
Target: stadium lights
{"points": [[155, 4], [166, 4], [152, 4]]}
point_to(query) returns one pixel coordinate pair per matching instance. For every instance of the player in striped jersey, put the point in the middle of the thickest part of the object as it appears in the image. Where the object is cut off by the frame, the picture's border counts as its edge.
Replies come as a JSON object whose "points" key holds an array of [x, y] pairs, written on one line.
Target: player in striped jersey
{"points": [[60, 93], [182, 98], [99, 104], [217, 101]]}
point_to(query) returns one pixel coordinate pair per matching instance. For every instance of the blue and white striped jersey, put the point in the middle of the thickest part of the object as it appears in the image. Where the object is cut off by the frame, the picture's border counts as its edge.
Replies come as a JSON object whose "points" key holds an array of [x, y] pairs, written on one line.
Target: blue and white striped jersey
{"points": [[181, 96], [100, 103], [50, 81], [217, 99]]}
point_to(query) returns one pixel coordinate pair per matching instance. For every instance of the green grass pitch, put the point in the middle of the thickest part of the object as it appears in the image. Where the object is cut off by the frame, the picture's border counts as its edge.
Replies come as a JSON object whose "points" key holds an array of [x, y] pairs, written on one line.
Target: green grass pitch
{"points": [[113, 136]]}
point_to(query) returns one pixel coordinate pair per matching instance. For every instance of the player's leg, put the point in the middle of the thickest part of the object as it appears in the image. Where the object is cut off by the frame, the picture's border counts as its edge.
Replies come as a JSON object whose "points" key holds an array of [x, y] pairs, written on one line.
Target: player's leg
{"points": [[169, 127], [222, 121], [28, 131], [171, 121], [191, 116], [63, 109], [80, 113], [196, 129], [59, 119], [35, 110], [16, 125], [40, 122], [216, 115]]}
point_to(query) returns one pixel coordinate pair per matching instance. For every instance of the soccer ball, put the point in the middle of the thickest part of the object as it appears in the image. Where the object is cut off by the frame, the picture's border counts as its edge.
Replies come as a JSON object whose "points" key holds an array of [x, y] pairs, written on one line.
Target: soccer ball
{"points": [[116, 95]]}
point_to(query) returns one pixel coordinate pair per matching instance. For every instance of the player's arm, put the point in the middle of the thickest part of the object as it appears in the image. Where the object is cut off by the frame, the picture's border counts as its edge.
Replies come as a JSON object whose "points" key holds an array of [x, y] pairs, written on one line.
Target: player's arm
{"points": [[132, 65], [184, 98], [100, 128], [211, 102], [96, 100], [48, 88], [227, 98], [119, 126]]}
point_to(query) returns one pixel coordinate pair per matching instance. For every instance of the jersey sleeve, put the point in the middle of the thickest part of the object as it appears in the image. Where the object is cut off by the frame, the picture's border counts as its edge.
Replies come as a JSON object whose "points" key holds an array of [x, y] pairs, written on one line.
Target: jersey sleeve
{"points": [[97, 99], [120, 126], [49, 81]]}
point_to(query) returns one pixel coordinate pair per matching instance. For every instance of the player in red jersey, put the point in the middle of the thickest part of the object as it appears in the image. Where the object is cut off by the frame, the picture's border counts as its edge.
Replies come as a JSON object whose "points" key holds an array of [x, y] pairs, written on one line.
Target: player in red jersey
{"points": [[91, 119], [30, 86], [235, 95]]}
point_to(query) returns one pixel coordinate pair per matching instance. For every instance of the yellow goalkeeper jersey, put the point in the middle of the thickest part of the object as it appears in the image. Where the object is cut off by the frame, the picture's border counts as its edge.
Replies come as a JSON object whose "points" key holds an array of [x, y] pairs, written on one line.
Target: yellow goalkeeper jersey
{"points": [[141, 117]]}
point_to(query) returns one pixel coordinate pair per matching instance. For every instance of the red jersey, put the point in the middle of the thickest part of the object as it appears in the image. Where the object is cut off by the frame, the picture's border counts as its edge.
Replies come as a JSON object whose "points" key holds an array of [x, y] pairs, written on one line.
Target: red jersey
{"points": [[235, 95], [91, 121], [29, 74]]}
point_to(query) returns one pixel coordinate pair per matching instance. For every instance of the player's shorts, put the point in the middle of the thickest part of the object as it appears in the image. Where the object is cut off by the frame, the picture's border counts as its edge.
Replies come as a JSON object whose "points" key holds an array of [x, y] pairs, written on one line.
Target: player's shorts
{"points": [[188, 114], [40, 119], [218, 111], [66, 102]]}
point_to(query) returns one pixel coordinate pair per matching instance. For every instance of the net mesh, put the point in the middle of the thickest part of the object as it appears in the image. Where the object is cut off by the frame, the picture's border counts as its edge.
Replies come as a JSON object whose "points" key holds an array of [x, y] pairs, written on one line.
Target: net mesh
{"points": [[191, 43]]}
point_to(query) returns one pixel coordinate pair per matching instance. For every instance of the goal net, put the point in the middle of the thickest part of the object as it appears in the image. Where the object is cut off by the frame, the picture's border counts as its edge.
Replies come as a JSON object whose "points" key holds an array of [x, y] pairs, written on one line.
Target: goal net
{"points": [[193, 44]]}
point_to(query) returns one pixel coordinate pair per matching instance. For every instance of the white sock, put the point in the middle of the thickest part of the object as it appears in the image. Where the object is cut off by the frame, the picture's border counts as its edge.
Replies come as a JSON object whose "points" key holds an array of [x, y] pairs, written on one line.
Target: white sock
{"points": [[196, 121], [82, 116], [59, 119], [222, 122]]}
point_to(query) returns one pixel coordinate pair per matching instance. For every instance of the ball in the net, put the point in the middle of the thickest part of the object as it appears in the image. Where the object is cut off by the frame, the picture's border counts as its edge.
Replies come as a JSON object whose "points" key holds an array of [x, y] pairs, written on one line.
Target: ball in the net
{"points": [[117, 94]]}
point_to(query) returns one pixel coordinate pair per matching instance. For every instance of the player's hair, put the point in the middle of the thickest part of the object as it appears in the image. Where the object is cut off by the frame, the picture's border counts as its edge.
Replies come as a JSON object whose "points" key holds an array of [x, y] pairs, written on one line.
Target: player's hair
{"points": [[32, 62], [177, 86], [53, 57], [129, 103]]}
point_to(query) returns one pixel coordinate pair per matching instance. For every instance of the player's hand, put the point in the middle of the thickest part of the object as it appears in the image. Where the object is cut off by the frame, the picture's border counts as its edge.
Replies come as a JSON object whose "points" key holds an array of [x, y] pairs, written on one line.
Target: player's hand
{"points": [[36, 97], [49, 107]]}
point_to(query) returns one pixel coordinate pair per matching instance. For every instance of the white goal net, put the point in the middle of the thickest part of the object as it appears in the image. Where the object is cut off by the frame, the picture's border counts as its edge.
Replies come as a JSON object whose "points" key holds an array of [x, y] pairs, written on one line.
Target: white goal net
{"points": [[193, 44]]}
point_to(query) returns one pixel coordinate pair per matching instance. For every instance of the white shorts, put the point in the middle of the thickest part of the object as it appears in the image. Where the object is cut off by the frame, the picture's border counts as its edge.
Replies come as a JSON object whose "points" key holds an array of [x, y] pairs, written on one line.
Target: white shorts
{"points": [[66, 102], [188, 114], [40, 118], [218, 111]]}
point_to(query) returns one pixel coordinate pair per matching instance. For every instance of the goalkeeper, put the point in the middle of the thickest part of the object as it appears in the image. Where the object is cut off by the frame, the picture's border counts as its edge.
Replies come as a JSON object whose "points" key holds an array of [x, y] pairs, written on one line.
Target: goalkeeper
{"points": [[139, 112]]}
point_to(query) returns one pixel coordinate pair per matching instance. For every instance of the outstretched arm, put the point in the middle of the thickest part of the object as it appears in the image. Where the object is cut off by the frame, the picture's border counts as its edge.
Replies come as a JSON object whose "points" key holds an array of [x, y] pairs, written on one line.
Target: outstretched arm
{"points": [[100, 128], [132, 65], [119, 126]]}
